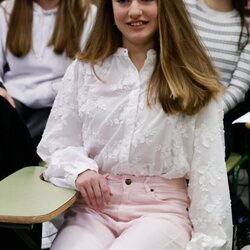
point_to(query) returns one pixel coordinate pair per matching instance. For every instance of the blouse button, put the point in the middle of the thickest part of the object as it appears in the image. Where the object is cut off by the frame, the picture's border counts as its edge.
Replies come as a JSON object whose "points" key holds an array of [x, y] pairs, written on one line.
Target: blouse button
{"points": [[128, 181]]}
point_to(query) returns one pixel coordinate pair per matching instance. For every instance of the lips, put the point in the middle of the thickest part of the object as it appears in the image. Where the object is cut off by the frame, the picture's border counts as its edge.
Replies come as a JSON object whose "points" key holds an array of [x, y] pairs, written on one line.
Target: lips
{"points": [[137, 23]]}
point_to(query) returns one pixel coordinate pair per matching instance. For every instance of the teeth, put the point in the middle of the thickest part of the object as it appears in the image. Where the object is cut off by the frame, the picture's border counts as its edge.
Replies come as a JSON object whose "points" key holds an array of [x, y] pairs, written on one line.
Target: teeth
{"points": [[136, 24]]}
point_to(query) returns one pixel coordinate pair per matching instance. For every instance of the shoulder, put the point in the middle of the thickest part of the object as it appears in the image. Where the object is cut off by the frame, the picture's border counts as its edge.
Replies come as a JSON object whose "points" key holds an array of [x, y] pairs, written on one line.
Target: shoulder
{"points": [[211, 113], [190, 3], [77, 71], [193, 9], [73, 69]]}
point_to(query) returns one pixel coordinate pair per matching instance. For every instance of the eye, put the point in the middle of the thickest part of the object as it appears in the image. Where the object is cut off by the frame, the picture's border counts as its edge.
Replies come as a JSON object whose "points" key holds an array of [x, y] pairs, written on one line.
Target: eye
{"points": [[147, 1], [129, 1], [122, 1]]}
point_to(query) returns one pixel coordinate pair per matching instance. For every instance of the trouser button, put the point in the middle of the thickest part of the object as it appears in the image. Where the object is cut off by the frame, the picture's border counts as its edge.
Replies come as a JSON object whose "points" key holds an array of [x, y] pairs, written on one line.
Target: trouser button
{"points": [[128, 181]]}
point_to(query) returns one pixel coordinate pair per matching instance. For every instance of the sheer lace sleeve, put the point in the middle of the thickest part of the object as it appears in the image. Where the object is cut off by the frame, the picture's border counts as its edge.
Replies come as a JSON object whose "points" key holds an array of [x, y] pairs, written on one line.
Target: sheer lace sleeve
{"points": [[210, 210], [61, 146]]}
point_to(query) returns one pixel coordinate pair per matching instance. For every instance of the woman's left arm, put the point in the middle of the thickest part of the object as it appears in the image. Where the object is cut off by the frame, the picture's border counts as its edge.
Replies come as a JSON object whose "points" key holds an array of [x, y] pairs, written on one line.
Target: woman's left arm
{"points": [[210, 208]]}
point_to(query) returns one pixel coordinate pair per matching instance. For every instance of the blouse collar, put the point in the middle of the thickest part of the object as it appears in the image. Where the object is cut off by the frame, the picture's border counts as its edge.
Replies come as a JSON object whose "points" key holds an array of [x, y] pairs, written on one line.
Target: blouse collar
{"points": [[39, 9], [151, 53]]}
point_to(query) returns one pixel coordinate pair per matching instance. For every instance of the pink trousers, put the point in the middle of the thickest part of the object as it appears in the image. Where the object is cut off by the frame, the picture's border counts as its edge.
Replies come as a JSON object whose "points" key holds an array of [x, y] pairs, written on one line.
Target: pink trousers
{"points": [[146, 213]]}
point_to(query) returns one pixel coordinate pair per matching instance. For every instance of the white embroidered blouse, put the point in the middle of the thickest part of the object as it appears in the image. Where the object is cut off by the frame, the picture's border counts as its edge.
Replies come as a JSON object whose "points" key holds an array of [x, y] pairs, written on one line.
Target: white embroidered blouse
{"points": [[108, 126]]}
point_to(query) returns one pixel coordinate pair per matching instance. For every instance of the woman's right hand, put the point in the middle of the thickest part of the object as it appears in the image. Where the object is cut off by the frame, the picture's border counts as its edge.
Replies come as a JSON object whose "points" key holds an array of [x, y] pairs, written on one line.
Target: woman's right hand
{"points": [[94, 189], [5, 95]]}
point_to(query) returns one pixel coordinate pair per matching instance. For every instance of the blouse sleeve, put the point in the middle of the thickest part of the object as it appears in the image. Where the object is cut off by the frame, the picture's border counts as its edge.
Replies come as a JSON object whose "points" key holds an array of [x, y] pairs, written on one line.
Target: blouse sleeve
{"points": [[61, 146], [210, 209]]}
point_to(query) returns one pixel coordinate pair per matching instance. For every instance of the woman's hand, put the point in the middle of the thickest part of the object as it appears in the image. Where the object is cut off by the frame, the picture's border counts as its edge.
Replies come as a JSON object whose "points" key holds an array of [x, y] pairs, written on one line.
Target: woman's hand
{"points": [[5, 95], [94, 189]]}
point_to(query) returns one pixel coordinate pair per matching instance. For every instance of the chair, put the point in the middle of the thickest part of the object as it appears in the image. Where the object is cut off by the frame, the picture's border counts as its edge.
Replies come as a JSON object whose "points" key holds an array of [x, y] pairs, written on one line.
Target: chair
{"points": [[234, 163], [27, 201], [238, 161]]}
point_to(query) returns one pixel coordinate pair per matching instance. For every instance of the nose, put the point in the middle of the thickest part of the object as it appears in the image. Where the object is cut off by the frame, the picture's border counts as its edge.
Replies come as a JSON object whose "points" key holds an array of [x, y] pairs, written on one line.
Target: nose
{"points": [[135, 9]]}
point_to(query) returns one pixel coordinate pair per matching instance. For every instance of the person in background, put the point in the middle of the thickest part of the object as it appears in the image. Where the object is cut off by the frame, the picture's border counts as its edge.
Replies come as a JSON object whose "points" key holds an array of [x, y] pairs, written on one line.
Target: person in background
{"points": [[39, 39], [136, 118], [224, 32]]}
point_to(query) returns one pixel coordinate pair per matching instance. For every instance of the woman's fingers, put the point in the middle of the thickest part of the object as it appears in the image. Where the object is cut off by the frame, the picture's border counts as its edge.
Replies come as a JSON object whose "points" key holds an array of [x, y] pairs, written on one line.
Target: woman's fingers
{"points": [[106, 192], [85, 197], [91, 196], [94, 189]]}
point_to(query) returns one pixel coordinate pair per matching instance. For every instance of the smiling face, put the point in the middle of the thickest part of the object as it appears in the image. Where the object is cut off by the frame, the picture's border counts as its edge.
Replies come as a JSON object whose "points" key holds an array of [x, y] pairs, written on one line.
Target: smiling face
{"points": [[137, 20]]}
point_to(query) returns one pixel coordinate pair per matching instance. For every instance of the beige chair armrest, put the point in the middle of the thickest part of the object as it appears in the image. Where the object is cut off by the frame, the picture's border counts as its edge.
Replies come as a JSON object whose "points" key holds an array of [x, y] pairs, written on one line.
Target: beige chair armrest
{"points": [[233, 161], [26, 199]]}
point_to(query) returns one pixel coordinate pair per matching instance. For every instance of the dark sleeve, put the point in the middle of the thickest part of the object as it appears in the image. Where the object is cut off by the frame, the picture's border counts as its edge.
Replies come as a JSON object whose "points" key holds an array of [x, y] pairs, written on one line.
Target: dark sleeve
{"points": [[2, 86]]}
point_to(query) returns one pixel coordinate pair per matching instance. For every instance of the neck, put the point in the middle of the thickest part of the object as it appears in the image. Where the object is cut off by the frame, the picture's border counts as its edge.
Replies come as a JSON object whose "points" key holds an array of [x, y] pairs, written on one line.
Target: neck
{"points": [[137, 53], [138, 58], [48, 4], [220, 5]]}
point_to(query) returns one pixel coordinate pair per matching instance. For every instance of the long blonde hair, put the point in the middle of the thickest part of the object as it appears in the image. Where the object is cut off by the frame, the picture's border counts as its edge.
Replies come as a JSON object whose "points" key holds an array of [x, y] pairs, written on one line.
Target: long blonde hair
{"points": [[184, 79], [68, 27]]}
